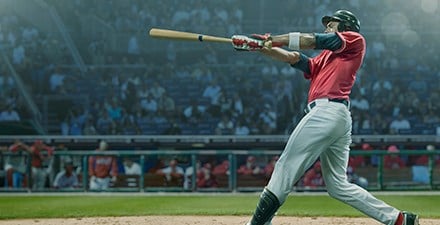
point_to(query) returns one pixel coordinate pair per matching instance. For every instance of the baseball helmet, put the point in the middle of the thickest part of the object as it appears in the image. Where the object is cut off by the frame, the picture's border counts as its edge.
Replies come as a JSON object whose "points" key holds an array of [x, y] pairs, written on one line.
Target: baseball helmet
{"points": [[348, 21]]}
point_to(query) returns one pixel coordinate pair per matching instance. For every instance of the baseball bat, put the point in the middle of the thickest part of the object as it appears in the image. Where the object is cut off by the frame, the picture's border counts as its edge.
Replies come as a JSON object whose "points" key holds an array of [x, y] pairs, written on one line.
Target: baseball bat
{"points": [[186, 36]]}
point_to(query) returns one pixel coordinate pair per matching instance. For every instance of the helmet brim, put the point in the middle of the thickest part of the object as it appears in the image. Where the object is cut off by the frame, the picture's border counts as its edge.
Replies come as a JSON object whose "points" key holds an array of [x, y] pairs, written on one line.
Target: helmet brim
{"points": [[326, 19]]}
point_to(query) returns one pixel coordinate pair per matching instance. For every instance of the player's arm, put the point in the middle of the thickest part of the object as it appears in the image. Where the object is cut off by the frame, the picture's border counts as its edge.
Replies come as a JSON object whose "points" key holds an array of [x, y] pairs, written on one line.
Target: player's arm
{"points": [[296, 59], [91, 165], [293, 40], [303, 41], [282, 55]]}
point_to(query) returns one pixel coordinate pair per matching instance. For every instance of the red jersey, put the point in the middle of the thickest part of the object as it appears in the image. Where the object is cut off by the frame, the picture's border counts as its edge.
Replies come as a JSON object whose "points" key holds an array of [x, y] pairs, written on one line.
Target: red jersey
{"points": [[332, 73], [102, 166], [37, 155]]}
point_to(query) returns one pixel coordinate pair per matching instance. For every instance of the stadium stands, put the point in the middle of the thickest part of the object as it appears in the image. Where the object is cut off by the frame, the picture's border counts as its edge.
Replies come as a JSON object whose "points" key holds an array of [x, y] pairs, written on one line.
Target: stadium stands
{"points": [[118, 75]]}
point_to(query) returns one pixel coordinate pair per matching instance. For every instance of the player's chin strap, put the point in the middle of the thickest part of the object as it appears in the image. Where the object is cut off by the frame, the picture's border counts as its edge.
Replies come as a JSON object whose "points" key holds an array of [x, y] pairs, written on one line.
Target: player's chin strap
{"points": [[266, 208]]}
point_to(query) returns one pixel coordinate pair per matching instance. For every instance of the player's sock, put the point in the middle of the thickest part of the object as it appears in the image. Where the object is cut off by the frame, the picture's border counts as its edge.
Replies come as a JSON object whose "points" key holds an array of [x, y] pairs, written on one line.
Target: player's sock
{"points": [[266, 208], [399, 220]]}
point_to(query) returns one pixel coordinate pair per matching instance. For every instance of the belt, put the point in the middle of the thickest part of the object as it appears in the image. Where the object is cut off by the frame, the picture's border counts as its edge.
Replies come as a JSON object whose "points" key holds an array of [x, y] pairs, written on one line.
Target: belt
{"points": [[311, 105]]}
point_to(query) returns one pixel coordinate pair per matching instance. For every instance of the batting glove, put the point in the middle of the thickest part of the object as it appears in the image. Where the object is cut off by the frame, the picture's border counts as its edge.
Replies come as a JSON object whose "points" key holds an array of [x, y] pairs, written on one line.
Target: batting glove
{"points": [[267, 38], [245, 43]]}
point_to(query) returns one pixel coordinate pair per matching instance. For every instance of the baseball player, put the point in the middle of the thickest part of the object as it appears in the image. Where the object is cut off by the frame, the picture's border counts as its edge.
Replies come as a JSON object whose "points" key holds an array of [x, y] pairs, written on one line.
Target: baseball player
{"points": [[102, 169], [325, 131]]}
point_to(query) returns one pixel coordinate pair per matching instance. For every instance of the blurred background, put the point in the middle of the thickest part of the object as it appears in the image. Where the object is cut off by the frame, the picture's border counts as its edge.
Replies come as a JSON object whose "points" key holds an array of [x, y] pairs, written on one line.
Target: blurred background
{"points": [[74, 73], [88, 67]]}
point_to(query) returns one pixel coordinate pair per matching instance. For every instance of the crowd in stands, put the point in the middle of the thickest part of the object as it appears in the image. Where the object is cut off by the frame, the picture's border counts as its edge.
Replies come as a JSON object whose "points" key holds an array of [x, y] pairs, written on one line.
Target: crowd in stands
{"points": [[219, 93]]}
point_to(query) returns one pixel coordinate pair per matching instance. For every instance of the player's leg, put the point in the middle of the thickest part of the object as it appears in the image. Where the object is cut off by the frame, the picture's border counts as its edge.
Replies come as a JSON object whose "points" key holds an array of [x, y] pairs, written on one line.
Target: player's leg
{"points": [[42, 175], [334, 168], [105, 183], [17, 179], [93, 184], [9, 177], [302, 149], [34, 177]]}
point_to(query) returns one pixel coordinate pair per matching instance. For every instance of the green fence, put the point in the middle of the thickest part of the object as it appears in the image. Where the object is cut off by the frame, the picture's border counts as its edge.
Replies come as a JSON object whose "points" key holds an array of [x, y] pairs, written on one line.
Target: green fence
{"points": [[378, 177]]}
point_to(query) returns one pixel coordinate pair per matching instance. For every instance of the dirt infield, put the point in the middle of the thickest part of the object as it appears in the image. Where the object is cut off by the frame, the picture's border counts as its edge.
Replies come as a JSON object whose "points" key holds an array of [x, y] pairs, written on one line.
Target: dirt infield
{"points": [[200, 220]]}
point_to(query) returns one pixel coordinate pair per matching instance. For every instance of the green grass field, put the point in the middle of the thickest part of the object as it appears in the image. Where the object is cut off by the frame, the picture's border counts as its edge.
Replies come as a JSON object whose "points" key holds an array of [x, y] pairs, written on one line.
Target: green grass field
{"points": [[26, 206]]}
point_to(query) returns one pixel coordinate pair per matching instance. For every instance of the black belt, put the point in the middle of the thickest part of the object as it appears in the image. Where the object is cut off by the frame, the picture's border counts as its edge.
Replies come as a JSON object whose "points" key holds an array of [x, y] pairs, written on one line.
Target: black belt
{"points": [[311, 105]]}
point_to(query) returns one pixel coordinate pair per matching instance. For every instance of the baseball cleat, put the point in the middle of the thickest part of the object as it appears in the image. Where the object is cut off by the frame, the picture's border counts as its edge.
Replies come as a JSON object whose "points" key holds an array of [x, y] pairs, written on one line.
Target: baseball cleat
{"points": [[410, 218]]}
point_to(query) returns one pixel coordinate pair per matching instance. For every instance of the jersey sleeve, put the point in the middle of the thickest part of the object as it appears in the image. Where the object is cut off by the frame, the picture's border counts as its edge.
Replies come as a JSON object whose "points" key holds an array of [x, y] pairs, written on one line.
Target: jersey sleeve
{"points": [[352, 43]]}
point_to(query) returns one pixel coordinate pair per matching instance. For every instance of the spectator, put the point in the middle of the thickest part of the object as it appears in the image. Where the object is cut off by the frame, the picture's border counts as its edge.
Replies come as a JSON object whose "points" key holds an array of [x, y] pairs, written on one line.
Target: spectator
{"points": [[103, 169], [188, 179], [114, 110], [268, 169], [104, 123], [222, 168], [398, 124], [225, 126], [89, 128], [173, 173], [15, 164], [149, 104], [9, 115], [205, 178], [268, 120], [56, 79], [38, 161], [241, 128], [213, 93], [131, 168], [167, 105], [381, 86], [250, 167], [356, 161], [360, 102], [423, 160], [67, 178], [313, 177], [133, 45], [420, 170], [194, 112], [237, 105], [225, 103], [157, 90], [392, 160], [144, 91], [156, 166], [431, 117]]}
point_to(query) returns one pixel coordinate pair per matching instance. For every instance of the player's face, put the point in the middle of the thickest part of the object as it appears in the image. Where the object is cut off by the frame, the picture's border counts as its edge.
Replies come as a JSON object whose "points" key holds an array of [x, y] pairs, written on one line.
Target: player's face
{"points": [[331, 27]]}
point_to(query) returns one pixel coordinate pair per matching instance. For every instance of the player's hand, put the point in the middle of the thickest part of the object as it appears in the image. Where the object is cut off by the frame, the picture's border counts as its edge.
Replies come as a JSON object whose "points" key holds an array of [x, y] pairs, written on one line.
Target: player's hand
{"points": [[245, 43], [263, 37], [268, 40]]}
